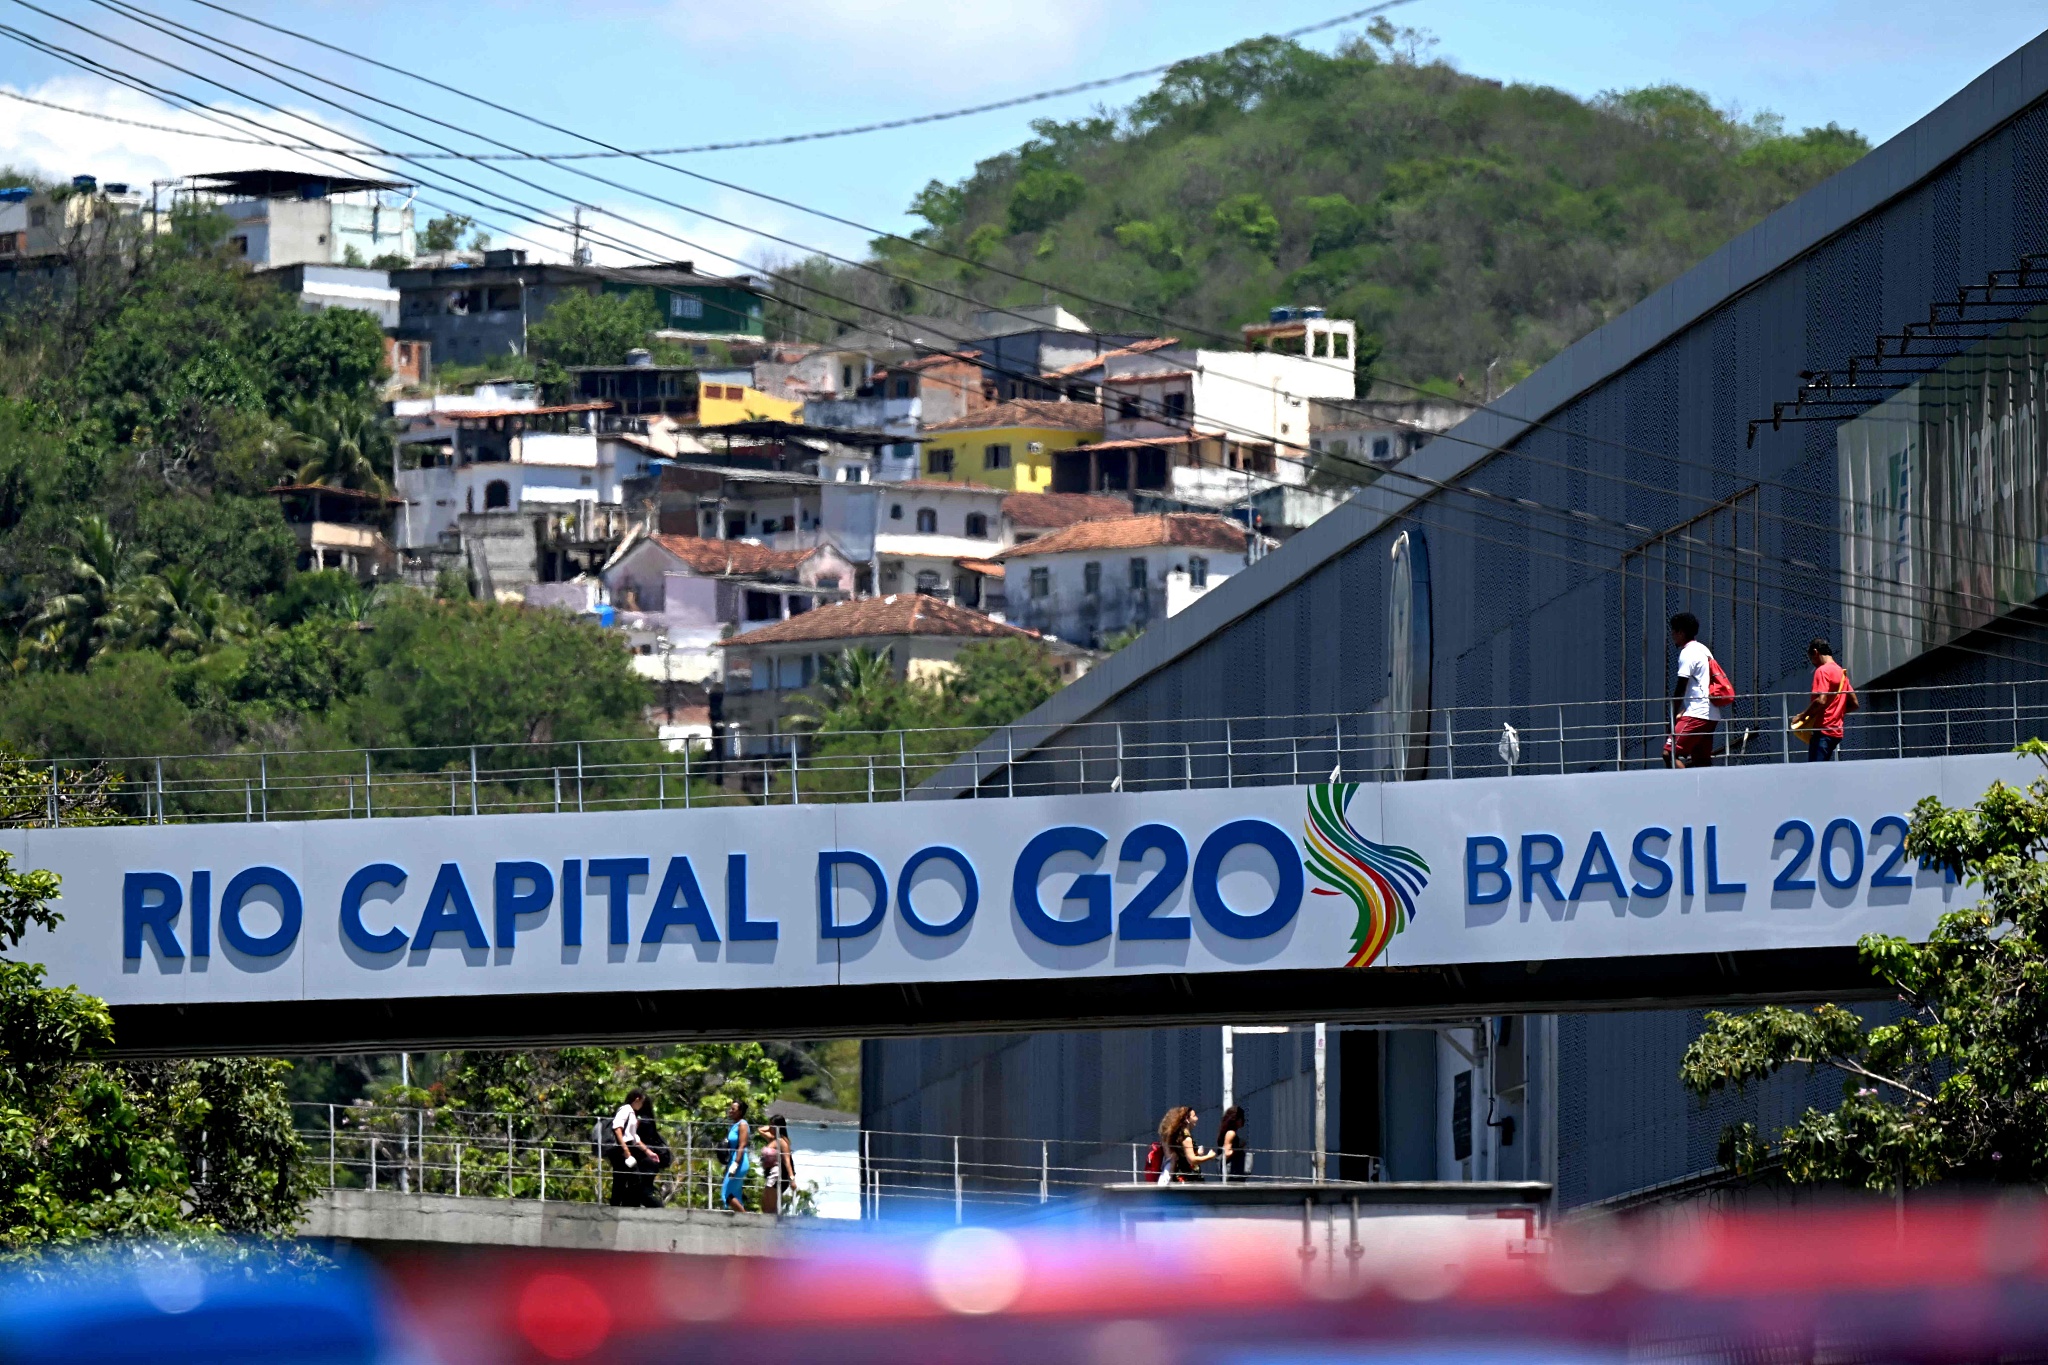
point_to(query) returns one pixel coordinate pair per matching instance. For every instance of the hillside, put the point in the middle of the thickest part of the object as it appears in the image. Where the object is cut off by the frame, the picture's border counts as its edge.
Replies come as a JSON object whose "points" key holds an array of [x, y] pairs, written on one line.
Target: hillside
{"points": [[1459, 220]]}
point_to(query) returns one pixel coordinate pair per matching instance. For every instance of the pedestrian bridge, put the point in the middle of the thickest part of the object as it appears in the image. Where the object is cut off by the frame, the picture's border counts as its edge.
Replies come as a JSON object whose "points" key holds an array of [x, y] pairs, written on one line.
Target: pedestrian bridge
{"points": [[1236, 869]]}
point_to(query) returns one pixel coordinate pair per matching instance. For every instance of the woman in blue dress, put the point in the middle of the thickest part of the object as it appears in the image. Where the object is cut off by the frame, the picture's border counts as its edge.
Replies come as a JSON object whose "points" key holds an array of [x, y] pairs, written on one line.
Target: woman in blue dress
{"points": [[737, 1153]]}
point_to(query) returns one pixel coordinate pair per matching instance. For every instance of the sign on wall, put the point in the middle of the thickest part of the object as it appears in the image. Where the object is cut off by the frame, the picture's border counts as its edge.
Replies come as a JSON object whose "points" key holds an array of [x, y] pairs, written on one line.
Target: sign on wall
{"points": [[1265, 878]]}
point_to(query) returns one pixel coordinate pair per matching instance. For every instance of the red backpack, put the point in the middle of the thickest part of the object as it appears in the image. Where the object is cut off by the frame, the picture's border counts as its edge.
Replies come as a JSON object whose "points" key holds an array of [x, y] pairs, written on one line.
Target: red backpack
{"points": [[1155, 1161], [1720, 691]]}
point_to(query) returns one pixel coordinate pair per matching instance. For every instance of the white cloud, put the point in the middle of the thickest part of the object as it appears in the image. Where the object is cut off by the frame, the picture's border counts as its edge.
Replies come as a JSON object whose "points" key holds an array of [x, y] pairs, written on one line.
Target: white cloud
{"points": [[60, 145]]}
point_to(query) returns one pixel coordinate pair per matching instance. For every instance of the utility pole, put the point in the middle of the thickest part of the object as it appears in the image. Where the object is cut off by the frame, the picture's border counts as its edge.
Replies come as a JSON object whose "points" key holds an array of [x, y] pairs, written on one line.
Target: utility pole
{"points": [[579, 254]]}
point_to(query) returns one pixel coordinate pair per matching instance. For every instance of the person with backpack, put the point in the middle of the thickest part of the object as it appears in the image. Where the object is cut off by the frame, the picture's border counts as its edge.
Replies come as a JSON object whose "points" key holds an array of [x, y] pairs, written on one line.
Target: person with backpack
{"points": [[625, 1150], [1824, 721], [1180, 1160], [1700, 699]]}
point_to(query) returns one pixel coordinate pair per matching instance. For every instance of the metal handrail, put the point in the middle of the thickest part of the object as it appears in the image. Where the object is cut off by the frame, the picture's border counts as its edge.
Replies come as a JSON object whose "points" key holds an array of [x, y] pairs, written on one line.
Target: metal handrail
{"points": [[1138, 755], [414, 1149]]}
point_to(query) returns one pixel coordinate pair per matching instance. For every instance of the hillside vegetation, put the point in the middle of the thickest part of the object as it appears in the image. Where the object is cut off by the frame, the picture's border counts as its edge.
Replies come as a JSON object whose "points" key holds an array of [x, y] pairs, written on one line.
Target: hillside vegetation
{"points": [[1458, 220]]}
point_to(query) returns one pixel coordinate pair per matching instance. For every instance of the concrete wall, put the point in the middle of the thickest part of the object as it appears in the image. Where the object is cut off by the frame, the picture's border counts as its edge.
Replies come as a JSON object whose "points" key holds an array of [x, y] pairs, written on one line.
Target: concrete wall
{"points": [[373, 1216], [1072, 613]]}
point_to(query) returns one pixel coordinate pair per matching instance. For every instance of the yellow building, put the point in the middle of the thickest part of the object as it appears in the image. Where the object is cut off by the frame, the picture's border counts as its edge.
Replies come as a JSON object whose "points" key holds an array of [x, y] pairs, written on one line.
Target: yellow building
{"points": [[1009, 445], [718, 404]]}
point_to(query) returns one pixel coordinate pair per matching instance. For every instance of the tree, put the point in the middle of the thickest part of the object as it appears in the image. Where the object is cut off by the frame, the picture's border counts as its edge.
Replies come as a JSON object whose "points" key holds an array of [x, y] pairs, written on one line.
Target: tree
{"points": [[179, 612], [90, 616], [342, 443], [1956, 1087], [593, 329], [445, 233], [91, 1148]]}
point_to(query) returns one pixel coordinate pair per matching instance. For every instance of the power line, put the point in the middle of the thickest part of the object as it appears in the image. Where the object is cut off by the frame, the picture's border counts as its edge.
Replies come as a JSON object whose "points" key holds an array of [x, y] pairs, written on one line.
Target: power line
{"points": [[787, 139], [1440, 486]]}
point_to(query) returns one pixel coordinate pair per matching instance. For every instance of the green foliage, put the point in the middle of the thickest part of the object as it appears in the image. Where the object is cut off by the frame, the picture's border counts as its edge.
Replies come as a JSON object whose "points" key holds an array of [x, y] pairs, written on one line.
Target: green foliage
{"points": [[1042, 196], [336, 351], [342, 442], [445, 232], [91, 1149], [1250, 219], [593, 329], [1957, 1088], [692, 1083], [1455, 219], [239, 544]]}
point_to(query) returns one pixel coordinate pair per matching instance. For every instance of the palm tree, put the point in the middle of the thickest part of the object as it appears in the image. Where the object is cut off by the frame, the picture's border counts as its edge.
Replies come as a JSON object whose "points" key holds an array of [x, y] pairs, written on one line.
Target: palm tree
{"points": [[856, 691], [177, 611], [93, 614], [341, 444]]}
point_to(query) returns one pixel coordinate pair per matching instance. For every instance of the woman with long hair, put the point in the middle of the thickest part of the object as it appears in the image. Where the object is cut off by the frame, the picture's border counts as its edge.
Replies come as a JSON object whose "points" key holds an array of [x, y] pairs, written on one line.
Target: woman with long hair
{"points": [[778, 1164], [1177, 1135], [1234, 1156]]}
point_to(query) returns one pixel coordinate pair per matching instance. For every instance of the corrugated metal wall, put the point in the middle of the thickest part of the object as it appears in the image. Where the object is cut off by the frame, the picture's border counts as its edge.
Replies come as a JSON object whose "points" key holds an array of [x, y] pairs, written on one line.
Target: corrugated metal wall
{"points": [[1531, 611]]}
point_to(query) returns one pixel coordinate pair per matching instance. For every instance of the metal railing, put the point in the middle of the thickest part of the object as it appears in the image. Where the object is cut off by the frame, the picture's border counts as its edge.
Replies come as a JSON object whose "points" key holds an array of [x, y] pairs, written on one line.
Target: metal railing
{"points": [[1088, 756], [850, 1172]]}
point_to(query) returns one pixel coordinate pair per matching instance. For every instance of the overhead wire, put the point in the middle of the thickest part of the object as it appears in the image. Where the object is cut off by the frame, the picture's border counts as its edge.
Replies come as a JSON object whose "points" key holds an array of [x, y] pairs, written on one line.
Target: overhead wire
{"points": [[125, 6], [1577, 517]]}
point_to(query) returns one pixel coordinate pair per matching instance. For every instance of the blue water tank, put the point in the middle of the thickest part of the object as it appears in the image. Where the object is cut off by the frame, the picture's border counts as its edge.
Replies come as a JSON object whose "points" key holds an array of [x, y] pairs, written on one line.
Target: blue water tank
{"points": [[87, 183], [14, 194]]}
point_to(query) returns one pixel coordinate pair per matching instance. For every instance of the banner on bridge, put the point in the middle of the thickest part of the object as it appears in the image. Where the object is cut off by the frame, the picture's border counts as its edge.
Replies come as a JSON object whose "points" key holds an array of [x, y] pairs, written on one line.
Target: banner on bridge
{"points": [[1263, 878]]}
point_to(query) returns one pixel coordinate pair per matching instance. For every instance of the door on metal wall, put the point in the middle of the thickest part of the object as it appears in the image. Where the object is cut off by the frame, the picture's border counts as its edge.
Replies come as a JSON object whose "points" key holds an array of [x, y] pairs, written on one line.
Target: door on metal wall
{"points": [[1710, 566]]}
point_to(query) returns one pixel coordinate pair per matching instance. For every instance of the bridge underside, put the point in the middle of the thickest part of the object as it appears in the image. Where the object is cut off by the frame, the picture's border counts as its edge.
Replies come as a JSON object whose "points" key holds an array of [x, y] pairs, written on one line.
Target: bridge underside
{"points": [[1389, 995]]}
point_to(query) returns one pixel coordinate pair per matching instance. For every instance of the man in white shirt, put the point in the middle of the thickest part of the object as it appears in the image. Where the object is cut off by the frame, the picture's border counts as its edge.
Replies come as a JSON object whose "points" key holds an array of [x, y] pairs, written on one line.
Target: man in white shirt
{"points": [[1692, 709]]}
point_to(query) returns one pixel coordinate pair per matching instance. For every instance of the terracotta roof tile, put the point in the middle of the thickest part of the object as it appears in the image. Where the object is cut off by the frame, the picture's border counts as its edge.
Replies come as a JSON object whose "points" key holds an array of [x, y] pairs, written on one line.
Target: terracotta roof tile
{"points": [[1195, 530], [710, 557], [1049, 511], [1027, 412], [880, 617], [1092, 362]]}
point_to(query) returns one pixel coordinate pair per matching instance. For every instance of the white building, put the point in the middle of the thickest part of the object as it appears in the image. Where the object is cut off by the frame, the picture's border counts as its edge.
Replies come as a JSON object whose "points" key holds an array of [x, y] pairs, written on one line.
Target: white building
{"points": [[298, 217], [1096, 579], [930, 533], [506, 459], [1211, 426]]}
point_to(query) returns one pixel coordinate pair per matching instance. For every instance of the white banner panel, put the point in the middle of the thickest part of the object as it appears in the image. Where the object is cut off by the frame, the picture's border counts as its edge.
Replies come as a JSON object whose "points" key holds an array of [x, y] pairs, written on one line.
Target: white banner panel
{"points": [[1405, 874]]}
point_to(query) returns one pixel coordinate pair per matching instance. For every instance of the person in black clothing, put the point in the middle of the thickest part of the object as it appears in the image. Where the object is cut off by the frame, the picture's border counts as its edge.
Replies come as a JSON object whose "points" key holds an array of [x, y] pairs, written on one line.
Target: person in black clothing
{"points": [[657, 1162], [1231, 1152]]}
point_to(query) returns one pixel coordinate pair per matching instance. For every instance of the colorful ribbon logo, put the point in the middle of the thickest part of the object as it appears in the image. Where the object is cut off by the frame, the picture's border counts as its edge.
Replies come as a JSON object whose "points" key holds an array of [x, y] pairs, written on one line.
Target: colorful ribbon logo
{"points": [[1382, 880]]}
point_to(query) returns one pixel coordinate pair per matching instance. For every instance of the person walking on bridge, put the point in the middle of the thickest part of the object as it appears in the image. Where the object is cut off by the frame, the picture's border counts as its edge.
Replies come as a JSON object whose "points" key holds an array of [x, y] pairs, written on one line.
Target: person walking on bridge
{"points": [[626, 1150], [738, 1155], [1824, 721], [1696, 703]]}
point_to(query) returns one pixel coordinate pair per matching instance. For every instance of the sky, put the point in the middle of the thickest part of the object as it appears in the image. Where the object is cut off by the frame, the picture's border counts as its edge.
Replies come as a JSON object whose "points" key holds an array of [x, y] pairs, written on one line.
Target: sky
{"points": [[642, 74]]}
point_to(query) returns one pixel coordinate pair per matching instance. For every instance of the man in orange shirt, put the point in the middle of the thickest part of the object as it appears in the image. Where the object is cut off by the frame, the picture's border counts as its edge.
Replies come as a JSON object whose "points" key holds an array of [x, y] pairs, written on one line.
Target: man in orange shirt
{"points": [[1833, 699]]}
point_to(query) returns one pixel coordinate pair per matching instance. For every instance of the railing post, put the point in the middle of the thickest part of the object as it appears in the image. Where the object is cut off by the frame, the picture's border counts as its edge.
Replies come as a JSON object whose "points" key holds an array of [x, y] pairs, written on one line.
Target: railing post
{"points": [[871, 779], [472, 779], [160, 792], [1338, 723], [959, 1208], [373, 1163], [1784, 728], [1899, 719], [869, 1207], [795, 795], [368, 812], [579, 775], [1450, 746], [661, 786], [558, 789], [689, 1160], [263, 780], [2015, 715], [1044, 1171], [1229, 754], [56, 815], [686, 773], [1010, 750], [543, 1170], [1119, 755], [1134, 1163], [902, 769], [1560, 740], [451, 793], [248, 800], [330, 1147], [458, 1168], [511, 1155], [1187, 766]]}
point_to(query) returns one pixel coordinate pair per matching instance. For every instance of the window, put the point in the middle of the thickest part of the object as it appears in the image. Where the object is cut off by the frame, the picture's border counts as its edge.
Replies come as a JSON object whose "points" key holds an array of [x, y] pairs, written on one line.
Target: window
{"points": [[1177, 406], [995, 457], [1091, 578], [1127, 407], [497, 493], [927, 522], [503, 298], [846, 376], [763, 606], [240, 240], [1340, 346], [735, 528], [38, 216], [1198, 572], [939, 461], [927, 583], [977, 525], [901, 388], [789, 672], [1382, 447], [895, 511], [829, 581], [762, 676], [1041, 582], [1139, 577], [685, 306]]}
